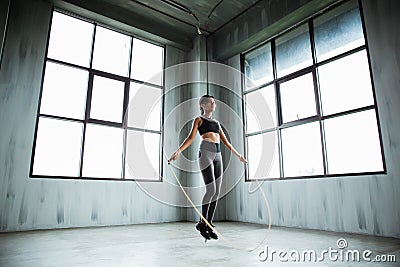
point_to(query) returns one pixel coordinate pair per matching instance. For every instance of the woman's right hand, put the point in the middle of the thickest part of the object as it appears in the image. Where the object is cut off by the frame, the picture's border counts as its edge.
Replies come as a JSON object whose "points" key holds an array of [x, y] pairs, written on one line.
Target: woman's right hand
{"points": [[174, 156]]}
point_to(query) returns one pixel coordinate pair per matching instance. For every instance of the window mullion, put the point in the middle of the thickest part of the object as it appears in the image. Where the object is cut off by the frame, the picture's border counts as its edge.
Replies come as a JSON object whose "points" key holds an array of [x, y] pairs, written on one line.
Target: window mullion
{"points": [[92, 49], [87, 115], [130, 59], [278, 107], [324, 151], [125, 124], [124, 141], [317, 93], [244, 114]]}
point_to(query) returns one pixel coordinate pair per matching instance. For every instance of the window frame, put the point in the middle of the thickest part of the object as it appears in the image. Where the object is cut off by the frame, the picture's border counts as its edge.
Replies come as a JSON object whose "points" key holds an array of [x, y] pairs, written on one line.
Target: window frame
{"points": [[319, 117], [124, 122]]}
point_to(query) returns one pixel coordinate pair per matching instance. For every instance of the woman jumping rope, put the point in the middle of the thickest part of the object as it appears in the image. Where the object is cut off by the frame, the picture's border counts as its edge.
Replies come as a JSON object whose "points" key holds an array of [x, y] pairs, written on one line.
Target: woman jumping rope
{"points": [[210, 160]]}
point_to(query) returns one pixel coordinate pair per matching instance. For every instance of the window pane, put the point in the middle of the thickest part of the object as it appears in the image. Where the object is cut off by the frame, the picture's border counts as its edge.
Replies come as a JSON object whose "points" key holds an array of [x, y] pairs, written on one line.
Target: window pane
{"points": [[258, 66], [298, 98], [260, 109], [144, 109], [111, 51], [107, 99], [103, 152], [302, 152], [58, 148], [142, 155], [352, 143], [70, 40], [293, 51], [64, 91], [345, 84], [338, 31], [263, 156], [147, 62]]}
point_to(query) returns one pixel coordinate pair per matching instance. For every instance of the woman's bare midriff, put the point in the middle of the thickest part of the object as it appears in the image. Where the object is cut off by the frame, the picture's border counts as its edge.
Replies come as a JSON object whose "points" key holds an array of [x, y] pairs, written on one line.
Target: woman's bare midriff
{"points": [[211, 137]]}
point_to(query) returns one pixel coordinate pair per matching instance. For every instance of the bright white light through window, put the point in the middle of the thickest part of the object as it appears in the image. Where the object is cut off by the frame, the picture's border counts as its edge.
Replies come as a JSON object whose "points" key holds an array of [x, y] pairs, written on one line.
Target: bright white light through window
{"points": [[144, 109], [302, 151], [107, 99], [298, 98], [142, 155], [147, 62], [345, 84], [58, 148], [64, 91], [261, 109], [103, 152], [70, 40], [352, 143], [111, 51], [264, 157]]}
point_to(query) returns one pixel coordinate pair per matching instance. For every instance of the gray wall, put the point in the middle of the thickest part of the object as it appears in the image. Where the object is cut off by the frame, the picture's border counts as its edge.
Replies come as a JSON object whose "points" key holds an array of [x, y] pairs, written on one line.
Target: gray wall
{"points": [[194, 180], [27, 203], [364, 204]]}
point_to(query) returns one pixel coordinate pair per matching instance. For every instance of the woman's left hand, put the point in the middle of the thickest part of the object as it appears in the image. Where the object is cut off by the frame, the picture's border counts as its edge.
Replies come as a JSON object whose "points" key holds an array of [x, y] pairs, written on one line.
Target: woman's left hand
{"points": [[242, 159]]}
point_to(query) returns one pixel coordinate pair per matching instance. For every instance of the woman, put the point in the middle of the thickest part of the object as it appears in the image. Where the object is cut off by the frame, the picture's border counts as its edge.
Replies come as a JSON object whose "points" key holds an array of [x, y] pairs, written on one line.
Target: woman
{"points": [[210, 160]]}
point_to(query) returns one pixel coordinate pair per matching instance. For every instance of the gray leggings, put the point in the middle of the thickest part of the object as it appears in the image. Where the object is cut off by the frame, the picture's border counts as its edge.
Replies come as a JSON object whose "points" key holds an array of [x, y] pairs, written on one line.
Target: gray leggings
{"points": [[210, 162]]}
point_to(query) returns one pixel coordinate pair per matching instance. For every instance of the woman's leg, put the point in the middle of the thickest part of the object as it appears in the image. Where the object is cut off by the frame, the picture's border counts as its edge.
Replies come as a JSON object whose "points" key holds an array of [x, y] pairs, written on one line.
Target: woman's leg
{"points": [[211, 170], [218, 166], [207, 171], [208, 177]]}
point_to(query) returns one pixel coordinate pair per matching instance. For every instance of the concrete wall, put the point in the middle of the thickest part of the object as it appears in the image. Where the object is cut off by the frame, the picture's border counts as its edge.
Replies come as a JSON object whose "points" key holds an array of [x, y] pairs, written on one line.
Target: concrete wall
{"points": [[27, 203], [364, 204], [194, 180], [230, 119]]}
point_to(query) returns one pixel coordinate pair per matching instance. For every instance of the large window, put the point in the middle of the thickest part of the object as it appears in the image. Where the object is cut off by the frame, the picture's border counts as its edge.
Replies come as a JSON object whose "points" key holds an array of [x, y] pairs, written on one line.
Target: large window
{"points": [[315, 83], [100, 110]]}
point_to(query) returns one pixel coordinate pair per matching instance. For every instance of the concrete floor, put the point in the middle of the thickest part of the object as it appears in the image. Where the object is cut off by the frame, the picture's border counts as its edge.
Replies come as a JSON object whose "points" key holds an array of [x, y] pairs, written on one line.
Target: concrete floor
{"points": [[179, 244]]}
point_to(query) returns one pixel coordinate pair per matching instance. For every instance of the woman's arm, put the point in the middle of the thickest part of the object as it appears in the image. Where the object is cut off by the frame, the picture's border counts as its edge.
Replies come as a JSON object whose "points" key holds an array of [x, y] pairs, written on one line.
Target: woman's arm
{"points": [[229, 146], [188, 141]]}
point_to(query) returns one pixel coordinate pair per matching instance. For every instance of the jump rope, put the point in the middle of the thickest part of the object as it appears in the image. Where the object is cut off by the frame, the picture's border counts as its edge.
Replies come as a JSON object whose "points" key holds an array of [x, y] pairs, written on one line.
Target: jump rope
{"points": [[226, 240]]}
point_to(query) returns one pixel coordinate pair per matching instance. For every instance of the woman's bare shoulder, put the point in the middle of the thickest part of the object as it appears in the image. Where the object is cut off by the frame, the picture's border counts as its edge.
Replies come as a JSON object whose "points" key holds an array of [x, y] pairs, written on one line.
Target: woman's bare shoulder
{"points": [[198, 120]]}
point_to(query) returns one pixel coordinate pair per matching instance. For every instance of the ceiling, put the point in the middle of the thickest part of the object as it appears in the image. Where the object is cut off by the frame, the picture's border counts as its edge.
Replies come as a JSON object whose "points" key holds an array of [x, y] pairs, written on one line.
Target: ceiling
{"points": [[174, 20], [211, 14]]}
